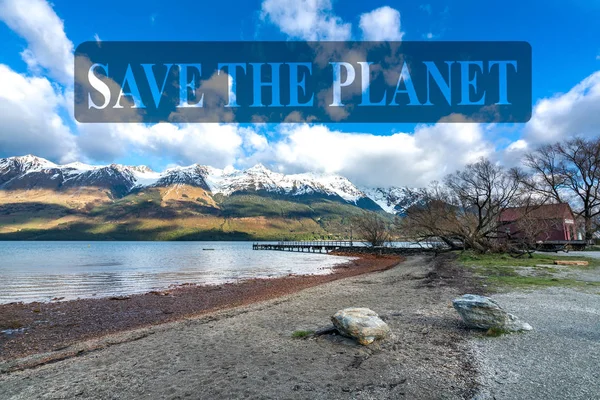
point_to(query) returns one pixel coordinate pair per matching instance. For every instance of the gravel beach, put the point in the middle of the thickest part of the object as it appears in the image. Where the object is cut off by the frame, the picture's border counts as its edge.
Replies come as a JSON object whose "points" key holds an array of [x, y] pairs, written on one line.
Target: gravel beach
{"points": [[559, 359], [250, 351], [56, 326]]}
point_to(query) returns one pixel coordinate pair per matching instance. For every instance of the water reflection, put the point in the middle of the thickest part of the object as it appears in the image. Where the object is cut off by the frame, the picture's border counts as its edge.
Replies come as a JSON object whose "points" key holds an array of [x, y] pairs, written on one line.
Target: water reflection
{"points": [[41, 271]]}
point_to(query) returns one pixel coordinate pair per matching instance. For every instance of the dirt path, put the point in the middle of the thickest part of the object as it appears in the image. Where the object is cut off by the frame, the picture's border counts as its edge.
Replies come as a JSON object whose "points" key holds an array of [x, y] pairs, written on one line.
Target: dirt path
{"points": [[249, 351]]}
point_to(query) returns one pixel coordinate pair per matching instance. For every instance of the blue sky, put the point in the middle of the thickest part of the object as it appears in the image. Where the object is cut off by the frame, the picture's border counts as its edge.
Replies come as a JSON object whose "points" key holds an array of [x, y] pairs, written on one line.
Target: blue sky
{"points": [[563, 35]]}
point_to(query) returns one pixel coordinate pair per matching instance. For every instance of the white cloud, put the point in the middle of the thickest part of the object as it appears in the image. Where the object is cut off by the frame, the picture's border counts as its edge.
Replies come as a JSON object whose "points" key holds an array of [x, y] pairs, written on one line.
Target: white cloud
{"points": [[29, 115], [34, 113], [48, 46], [381, 24], [398, 159], [371, 160], [254, 141], [432, 151], [518, 145], [574, 113], [306, 19], [216, 145], [315, 20], [512, 155]]}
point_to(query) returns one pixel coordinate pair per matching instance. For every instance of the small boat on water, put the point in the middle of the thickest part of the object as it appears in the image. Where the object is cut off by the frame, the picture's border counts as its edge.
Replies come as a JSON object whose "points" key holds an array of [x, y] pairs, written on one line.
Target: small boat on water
{"points": [[207, 249]]}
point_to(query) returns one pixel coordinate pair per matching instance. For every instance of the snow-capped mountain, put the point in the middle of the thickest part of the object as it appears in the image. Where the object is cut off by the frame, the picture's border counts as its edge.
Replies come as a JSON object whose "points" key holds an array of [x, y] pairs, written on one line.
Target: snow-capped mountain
{"points": [[117, 178], [24, 164], [13, 167], [30, 172], [394, 200], [193, 176], [259, 178]]}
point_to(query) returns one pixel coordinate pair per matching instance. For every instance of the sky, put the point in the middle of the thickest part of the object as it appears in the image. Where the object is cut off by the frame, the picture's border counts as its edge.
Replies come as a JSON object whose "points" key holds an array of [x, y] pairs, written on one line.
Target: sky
{"points": [[36, 84]]}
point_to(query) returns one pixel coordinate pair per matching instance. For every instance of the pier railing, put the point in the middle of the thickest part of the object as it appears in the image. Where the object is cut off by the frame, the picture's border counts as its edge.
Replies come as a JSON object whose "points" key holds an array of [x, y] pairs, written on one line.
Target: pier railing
{"points": [[337, 243], [313, 246], [327, 246]]}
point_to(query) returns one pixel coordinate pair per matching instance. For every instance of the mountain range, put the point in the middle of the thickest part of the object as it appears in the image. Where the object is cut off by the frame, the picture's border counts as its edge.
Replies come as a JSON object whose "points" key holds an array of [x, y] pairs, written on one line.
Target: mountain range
{"points": [[43, 200]]}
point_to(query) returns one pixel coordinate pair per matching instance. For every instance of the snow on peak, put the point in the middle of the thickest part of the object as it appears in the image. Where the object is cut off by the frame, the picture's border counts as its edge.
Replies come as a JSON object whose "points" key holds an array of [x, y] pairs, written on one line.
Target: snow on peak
{"points": [[230, 180], [140, 168], [260, 178], [29, 163], [80, 166], [77, 168], [192, 175], [394, 200], [259, 168], [219, 181]]}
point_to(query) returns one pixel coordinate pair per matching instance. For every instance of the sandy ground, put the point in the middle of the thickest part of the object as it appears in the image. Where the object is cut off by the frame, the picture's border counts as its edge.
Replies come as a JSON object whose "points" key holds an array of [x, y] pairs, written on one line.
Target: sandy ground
{"points": [[249, 352]]}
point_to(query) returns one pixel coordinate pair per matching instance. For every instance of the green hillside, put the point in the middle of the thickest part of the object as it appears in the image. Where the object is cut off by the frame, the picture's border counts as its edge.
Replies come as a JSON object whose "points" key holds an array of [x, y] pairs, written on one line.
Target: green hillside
{"points": [[187, 214]]}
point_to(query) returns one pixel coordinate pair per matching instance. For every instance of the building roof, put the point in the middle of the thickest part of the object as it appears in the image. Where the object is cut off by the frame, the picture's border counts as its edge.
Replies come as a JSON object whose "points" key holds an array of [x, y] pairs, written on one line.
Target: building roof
{"points": [[545, 211]]}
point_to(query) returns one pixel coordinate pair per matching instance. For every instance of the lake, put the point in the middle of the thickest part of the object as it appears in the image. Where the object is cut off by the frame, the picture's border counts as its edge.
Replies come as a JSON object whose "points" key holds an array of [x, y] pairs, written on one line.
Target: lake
{"points": [[41, 271]]}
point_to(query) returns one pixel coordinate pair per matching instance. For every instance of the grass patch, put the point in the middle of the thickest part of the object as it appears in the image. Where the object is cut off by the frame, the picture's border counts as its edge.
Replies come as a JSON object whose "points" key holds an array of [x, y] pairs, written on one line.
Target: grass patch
{"points": [[495, 332], [505, 260], [503, 271], [538, 281], [301, 334]]}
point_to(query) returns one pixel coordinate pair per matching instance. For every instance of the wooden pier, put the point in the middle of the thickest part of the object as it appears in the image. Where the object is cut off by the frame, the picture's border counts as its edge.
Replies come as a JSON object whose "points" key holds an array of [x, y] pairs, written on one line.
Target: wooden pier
{"points": [[324, 246], [327, 246]]}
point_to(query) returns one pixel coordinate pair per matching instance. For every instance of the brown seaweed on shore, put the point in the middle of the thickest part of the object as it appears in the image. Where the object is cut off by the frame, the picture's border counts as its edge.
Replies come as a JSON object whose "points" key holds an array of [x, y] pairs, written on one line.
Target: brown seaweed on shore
{"points": [[57, 325]]}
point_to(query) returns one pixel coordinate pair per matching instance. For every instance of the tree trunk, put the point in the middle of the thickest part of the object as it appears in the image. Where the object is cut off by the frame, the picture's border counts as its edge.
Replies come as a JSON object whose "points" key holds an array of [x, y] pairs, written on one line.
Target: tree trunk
{"points": [[589, 231]]}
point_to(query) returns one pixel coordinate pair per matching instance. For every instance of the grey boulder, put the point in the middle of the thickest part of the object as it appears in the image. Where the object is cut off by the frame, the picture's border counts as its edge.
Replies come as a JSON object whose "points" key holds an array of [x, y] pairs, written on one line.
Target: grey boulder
{"points": [[484, 313], [361, 324]]}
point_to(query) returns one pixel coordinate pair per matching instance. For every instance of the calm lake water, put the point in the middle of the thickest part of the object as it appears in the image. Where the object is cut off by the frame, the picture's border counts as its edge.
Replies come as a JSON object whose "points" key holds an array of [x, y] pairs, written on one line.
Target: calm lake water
{"points": [[41, 271]]}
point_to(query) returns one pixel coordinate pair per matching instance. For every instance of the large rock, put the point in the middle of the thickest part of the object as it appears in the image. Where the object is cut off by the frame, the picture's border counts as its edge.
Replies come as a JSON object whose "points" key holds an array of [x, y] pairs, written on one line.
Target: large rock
{"points": [[360, 323], [484, 313]]}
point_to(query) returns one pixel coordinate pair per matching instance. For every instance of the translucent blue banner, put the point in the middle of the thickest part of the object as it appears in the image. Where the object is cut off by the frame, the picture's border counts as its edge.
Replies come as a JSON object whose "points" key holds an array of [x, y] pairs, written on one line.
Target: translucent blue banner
{"points": [[303, 82]]}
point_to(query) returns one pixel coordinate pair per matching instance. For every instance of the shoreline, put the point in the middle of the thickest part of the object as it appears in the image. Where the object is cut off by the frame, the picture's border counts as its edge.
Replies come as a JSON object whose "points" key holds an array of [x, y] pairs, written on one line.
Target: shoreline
{"points": [[252, 351], [45, 327]]}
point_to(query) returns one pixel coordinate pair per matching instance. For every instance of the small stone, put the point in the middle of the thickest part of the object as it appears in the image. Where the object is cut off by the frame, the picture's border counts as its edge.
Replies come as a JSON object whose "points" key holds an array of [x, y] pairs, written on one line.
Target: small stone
{"points": [[361, 324], [484, 313]]}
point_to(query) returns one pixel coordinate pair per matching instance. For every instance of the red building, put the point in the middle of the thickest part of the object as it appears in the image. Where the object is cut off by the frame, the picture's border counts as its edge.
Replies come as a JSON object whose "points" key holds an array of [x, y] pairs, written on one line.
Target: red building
{"points": [[545, 223]]}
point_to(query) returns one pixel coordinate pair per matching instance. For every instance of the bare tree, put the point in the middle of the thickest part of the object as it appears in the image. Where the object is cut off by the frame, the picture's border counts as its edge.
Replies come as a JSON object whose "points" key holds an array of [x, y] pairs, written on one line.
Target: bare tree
{"points": [[372, 228], [569, 171], [434, 219], [548, 177], [465, 211]]}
